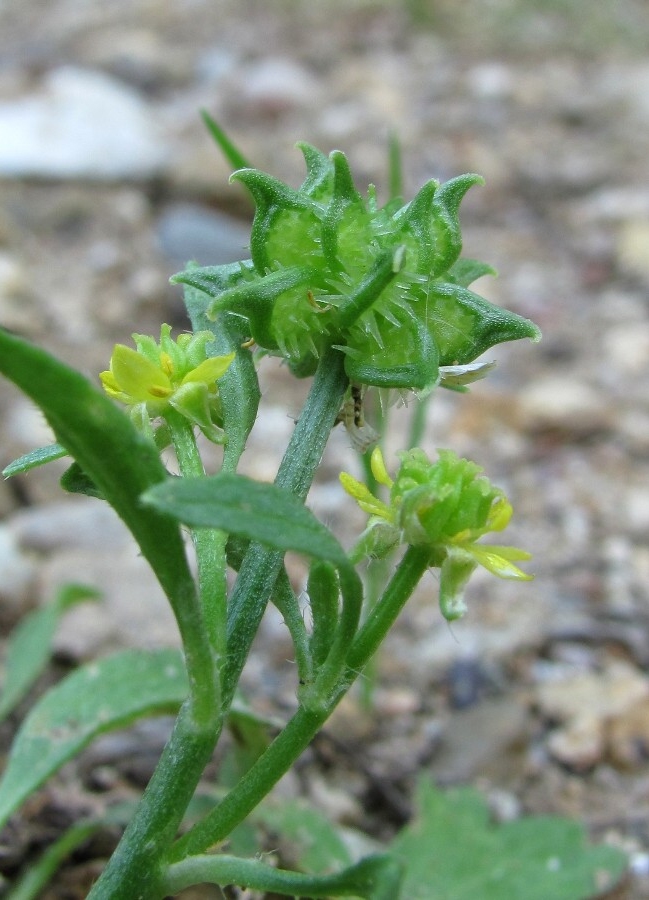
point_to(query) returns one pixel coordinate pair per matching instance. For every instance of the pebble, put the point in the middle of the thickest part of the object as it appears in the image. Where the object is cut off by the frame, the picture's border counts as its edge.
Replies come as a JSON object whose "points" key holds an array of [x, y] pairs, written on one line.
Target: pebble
{"points": [[633, 248], [564, 404], [274, 85], [75, 522], [589, 703], [132, 611], [188, 231], [627, 347], [17, 572], [17, 310], [57, 131]]}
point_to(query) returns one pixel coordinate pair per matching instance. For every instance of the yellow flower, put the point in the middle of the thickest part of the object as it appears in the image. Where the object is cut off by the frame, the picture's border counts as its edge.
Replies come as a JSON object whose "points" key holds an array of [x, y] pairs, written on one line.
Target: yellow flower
{"points": [[448, 505], [176, 374]]}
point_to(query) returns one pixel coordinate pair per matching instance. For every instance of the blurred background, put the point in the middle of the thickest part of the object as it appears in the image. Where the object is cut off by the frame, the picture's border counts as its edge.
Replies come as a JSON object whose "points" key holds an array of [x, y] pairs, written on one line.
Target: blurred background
{"points": [[109, 183]]}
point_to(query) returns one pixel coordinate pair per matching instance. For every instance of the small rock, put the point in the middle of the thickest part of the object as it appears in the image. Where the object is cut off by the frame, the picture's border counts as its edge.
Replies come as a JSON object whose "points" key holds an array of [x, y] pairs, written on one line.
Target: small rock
{"points": [[598, 693], [627, 346], [588, 703], [580, 745], [563, 404], [78, 522], [16, 303], [633, 248], [628, 736], [17, 572], [188, 231], [492, 80], [79, 124], [132, 611], [275, 85], [637, 511], [502, 726]]}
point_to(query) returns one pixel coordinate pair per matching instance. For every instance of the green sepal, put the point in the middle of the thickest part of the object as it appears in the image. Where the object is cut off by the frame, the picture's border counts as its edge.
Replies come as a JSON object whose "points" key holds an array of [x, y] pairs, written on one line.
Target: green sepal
{"points": [[465, 271], [465, 324], [407, 360], [271, 198], [318, 183], [344, 195], [454, 575], [239, 388], [445, 224], [256, 299]]}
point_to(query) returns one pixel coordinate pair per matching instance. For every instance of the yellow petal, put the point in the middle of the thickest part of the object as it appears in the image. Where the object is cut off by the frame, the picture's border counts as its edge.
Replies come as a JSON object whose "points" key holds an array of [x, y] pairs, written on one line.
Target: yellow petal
{"points": [[498, 560], [364, 497], [499, 515], [210, 370], [377, 464], [137, 376]]}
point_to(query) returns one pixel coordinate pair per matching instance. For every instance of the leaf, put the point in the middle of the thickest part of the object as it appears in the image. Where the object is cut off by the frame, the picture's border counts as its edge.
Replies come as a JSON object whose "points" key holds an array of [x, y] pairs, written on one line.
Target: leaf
{"points": [[34, 459], [254, 510], [33, 882], [75, 481], [95, 698], [30, 644], [453, 852], [229, 150]]}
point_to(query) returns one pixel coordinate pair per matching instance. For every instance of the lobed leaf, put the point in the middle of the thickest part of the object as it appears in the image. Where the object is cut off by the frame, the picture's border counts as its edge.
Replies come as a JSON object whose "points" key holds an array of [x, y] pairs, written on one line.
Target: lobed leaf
{"points": [[453, 852]]}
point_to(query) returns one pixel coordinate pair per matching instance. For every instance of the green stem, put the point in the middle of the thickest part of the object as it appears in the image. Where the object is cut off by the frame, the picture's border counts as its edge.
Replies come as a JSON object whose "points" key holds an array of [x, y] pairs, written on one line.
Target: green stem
{"points": [[208, 542], [418, 422], [135, 870], [287, 604], [136, 867], [374, 877], [384, 614], [261, 566], [278, 758]]}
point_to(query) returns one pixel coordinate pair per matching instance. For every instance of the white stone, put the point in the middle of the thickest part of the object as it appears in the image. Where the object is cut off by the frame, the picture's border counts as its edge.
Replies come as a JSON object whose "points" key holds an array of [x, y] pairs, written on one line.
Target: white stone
{"points": [[17, 570], [79, 124], [555, 402]]}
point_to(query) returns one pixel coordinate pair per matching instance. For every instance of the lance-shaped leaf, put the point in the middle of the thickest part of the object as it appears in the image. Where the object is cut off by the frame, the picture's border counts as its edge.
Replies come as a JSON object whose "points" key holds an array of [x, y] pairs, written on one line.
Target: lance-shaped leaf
{"points": [[95, 698], [30, 644], [250, 509], [33, 459]]}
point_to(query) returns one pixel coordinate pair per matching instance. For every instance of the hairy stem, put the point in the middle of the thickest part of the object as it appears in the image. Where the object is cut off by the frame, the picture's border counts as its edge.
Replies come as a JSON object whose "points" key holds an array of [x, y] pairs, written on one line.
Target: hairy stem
{"points": [[305, 724]]}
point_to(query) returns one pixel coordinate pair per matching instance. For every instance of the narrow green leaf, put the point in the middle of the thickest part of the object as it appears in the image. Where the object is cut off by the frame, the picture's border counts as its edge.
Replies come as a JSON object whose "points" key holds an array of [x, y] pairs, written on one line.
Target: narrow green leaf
{"points": [[34, 459], [229, 150], [250, 509], [95, 698], [30, 644]]}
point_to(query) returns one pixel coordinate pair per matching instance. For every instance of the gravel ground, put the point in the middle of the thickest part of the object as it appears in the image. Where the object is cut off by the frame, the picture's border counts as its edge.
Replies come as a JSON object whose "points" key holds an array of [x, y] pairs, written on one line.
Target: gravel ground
{"points": [[108, 183]]}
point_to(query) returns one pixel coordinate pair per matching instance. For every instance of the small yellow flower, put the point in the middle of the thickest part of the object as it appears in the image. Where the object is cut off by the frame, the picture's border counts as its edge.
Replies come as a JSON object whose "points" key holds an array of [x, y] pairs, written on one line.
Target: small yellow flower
{"points": [[448, 505], [176, 374]]}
